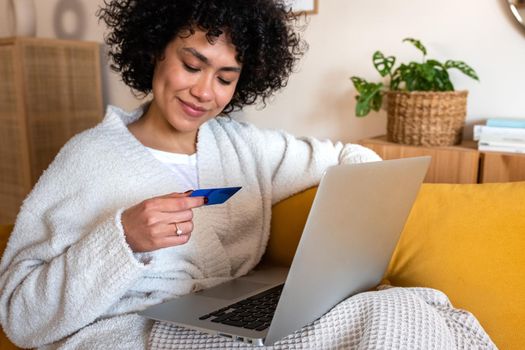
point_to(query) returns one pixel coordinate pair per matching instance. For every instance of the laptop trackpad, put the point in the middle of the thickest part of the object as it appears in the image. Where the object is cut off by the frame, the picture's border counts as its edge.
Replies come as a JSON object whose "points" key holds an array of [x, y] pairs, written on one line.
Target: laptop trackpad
{"points": [[233, 289]]}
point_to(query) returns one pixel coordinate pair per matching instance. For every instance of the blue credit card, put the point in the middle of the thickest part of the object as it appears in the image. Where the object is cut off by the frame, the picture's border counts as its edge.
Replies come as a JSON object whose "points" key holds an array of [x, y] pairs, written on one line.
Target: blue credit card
{"points": [[215, 195]]}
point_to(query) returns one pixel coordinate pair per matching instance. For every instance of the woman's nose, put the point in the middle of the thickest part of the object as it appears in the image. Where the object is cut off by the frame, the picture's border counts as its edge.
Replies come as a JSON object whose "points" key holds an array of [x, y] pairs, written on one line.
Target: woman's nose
{"points": [[202, 89]]}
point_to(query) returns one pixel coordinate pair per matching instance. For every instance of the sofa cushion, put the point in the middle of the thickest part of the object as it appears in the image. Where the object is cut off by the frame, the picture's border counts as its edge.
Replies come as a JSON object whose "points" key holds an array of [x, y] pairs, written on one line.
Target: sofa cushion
{"points": [[469, 242], [288, 219]]}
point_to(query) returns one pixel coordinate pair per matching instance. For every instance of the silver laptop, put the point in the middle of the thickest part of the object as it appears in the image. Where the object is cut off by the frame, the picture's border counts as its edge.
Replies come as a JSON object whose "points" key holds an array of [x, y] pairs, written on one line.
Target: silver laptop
{"points": [[352, 229]]}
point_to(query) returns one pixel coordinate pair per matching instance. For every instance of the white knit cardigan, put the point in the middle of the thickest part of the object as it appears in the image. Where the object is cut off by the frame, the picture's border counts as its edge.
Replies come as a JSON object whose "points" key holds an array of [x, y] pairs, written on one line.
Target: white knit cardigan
{"points": [[68, 279]]}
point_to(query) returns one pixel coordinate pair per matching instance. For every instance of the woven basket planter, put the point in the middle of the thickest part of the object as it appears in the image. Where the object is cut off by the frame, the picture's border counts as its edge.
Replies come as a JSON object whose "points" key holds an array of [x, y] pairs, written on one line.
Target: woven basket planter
{"points": [[426, 118]]}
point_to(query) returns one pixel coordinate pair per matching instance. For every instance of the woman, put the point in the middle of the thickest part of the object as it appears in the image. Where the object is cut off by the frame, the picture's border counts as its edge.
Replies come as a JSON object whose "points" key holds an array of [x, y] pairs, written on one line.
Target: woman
{"points": [[97, 240], [109, 228]]}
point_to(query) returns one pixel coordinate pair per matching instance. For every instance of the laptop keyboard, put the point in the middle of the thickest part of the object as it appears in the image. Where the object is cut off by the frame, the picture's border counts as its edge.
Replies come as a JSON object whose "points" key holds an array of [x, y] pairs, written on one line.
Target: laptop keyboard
{"points": [[255, 312]]}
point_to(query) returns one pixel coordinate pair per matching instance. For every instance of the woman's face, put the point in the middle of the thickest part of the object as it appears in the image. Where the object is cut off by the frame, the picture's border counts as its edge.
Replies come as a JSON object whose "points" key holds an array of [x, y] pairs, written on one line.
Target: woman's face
{"points": [[195, 80]]}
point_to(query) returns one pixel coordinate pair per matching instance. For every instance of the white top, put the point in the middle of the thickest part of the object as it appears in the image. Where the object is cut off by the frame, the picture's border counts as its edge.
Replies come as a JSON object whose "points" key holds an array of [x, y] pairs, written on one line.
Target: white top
{"points": [[183, 165]]}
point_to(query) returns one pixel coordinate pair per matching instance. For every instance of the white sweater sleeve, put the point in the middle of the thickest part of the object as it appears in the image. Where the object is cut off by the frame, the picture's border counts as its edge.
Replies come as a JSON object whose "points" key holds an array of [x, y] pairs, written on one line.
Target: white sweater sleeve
{"points": [[298, 163], [48, 294]]}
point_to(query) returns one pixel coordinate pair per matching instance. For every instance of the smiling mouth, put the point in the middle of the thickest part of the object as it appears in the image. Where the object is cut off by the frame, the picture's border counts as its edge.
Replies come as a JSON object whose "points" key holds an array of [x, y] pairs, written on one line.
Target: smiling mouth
{"points": [[192, 110]]}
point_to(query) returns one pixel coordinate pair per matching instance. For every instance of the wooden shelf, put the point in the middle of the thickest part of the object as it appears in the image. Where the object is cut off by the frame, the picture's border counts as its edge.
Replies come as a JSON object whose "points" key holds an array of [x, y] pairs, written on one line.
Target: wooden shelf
{"points": [[456, 164]]}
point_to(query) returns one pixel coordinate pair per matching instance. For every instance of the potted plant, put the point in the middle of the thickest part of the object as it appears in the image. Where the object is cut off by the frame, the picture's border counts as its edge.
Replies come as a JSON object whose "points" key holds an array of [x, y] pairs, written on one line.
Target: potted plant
{"points": [[422, 106]]}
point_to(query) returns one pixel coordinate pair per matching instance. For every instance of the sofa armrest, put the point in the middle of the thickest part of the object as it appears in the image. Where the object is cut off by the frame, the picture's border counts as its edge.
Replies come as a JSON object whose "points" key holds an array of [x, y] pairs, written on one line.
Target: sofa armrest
{"points": [[5, 231]]}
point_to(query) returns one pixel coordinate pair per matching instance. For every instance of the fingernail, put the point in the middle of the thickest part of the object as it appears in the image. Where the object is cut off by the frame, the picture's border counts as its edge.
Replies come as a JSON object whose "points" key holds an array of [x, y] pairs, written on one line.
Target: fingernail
{"points": [[188, 191], [205, 200]]}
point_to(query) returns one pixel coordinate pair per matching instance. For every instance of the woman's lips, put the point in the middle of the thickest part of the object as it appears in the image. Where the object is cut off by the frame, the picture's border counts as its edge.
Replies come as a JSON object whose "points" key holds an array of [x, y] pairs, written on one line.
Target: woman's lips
{"points": [[192, 110]]}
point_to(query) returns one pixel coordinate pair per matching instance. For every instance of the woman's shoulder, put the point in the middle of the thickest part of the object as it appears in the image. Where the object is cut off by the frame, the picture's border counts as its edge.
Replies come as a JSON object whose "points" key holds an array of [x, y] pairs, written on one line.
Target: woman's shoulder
{"points": [[104, 135], [86, 157], [234, 127], [84, 143], [230, 123], [88, 148]]}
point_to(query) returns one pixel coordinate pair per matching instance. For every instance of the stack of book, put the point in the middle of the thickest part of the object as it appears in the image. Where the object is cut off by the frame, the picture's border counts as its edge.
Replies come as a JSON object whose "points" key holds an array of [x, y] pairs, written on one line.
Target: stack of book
{"points": [[501, 135]]}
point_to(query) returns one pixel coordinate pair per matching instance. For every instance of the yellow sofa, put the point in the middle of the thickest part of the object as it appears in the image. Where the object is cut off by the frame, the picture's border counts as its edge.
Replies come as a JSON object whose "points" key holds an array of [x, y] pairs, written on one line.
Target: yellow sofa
{"points": [[5, 230], [465, 240]]}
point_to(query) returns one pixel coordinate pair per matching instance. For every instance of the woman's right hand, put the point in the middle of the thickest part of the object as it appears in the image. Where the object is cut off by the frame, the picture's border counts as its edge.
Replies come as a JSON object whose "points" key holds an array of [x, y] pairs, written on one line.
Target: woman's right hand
{"points": [[153, 223]]}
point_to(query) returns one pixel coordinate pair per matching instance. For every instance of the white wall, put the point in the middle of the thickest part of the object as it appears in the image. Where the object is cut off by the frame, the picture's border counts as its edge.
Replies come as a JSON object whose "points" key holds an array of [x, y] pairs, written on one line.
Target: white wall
{"points": [[319, 99]]}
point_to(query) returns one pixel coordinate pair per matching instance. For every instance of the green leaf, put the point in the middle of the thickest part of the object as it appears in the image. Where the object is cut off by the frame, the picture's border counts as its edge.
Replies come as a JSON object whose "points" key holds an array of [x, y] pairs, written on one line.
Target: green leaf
{"points": [[370, 98], [441, 80], [362, 108], [376, 102], [383, 64], [417, 44], [359, 84], [463, 67], [426, 71], [396, 81], [436, 64], [407, 75]]}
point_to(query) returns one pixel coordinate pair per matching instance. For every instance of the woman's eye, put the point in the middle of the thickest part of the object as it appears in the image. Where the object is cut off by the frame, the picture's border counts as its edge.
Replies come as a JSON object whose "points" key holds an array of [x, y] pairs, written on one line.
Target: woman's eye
{"points": [[190, 68], [224, 81]]}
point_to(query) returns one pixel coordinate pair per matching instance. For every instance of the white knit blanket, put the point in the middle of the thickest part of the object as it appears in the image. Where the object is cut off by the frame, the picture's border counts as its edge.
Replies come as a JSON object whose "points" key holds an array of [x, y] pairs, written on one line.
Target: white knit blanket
{"points": [[392, 318]]}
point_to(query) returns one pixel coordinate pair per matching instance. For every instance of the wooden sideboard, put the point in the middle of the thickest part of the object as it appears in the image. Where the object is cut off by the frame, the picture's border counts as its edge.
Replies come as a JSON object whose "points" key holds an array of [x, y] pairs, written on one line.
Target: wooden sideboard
{"points": [[502, 167], [456, 164]]}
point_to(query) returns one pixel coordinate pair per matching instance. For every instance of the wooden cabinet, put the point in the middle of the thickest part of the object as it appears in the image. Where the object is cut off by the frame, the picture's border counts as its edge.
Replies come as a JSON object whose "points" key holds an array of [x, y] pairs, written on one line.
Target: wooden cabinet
{"points": [[49, 91], [502, 167], [456, 164]]}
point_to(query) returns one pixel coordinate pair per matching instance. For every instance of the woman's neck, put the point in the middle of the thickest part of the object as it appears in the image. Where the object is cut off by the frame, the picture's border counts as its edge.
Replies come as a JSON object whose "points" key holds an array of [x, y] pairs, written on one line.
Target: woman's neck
{"points": [[153, 131]]}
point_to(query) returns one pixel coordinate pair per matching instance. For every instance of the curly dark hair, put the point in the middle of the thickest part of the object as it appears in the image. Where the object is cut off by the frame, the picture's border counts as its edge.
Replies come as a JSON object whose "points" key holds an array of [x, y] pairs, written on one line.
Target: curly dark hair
{"points": [[264, 33]]}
